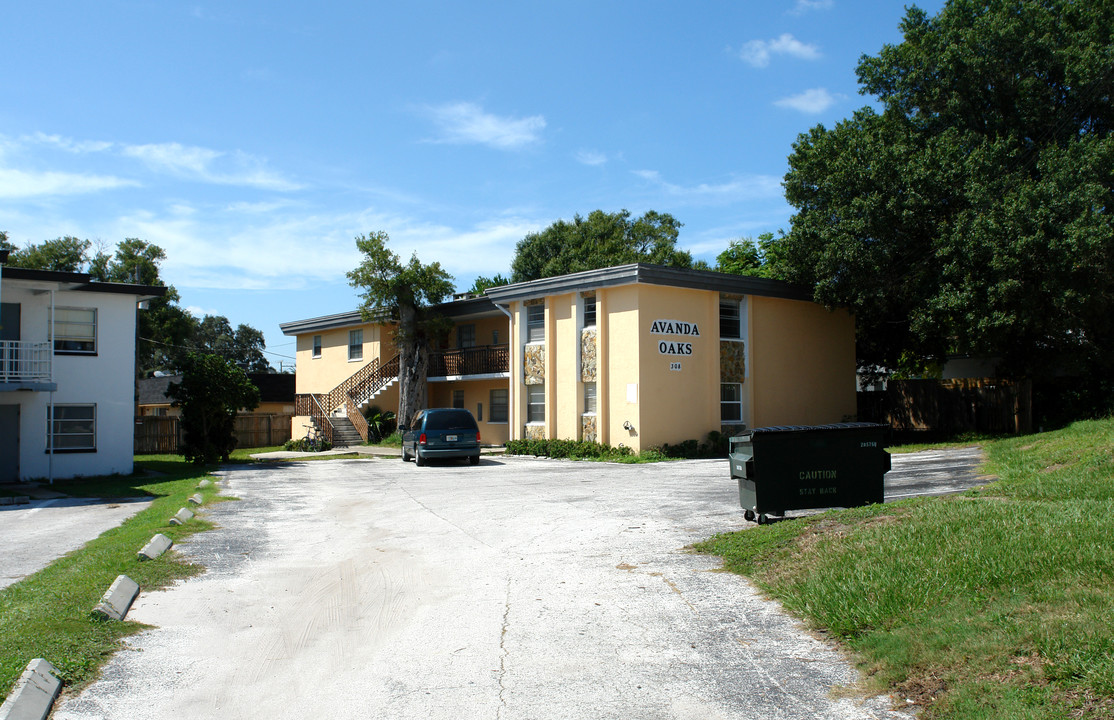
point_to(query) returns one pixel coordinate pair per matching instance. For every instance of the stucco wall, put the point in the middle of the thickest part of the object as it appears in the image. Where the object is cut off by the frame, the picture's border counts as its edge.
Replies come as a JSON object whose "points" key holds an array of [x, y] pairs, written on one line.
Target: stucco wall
{"points": [[106, 379], [320, 375], [679, 392], [802, 363], [476, 392], [620, 335]]}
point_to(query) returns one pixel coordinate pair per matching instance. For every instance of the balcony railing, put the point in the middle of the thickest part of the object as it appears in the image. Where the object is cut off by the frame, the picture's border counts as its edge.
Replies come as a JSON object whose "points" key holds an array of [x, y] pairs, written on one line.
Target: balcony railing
{"points": [[490, 359], [25, 362]]}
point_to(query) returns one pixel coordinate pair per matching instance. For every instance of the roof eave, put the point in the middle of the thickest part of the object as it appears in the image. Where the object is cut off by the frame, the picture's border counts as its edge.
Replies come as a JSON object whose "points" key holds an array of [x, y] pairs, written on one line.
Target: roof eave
{"points": [[641, 273]]}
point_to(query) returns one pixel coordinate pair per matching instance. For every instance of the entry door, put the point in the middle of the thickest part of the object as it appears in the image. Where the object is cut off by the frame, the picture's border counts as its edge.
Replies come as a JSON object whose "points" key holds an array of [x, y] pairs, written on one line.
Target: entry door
{"points": [[9, 321], [9, 330], [9, 443]]}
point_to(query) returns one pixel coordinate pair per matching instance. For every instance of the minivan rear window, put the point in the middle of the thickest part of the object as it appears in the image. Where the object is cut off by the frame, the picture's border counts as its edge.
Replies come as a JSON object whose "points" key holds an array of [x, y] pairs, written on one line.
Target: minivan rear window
{"points": [[450, 420]]}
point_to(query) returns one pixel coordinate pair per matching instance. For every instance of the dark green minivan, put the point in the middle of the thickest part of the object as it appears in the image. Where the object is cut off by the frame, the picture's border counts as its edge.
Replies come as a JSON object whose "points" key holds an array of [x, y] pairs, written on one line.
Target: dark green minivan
{"points": [[441, 433]]}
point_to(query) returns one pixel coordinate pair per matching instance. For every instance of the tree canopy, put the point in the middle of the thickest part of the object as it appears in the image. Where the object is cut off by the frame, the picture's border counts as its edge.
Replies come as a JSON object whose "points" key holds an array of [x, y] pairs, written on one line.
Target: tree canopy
{"points": [[403, 292], [65, 254], [747, 256], [598, 241], [211, 392], [167, 332], [483, 282], [971, 213]]}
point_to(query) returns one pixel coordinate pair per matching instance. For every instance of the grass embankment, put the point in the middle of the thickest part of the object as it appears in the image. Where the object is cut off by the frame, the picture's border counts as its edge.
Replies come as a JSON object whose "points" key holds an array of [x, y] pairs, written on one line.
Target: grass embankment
{"points": [[47, 614], [998, 603]]}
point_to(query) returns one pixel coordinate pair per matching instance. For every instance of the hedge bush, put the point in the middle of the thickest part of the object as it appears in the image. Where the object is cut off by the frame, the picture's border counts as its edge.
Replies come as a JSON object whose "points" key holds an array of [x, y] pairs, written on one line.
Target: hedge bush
{"points": [[572, 449]]}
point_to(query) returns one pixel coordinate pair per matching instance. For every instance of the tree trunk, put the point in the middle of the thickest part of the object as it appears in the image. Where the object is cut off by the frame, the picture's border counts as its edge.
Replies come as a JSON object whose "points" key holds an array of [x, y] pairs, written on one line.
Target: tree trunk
{"points": [[413, 367]]}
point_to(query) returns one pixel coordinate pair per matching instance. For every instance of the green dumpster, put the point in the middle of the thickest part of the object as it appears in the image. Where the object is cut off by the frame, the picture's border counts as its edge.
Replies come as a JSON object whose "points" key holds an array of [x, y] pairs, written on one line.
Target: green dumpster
{"points": [[808, 467]]}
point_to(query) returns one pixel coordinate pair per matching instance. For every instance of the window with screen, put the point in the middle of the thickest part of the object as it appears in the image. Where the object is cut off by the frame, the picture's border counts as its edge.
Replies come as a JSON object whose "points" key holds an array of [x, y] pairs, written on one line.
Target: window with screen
{"points": [[731, 402], [75, 330], [535, 403], [355, 344], [73, 428], [535, 323]]}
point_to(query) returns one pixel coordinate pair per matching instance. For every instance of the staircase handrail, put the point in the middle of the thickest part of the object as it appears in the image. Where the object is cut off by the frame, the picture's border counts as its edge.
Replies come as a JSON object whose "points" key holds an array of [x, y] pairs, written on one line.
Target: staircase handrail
{"points": [[356, 418], [372, 383], [310, 404], [335, 397]]}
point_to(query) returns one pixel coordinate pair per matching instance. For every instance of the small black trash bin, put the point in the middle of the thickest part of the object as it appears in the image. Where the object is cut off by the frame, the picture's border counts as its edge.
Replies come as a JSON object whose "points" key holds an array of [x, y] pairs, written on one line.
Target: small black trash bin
{"points": [[805, 467]]}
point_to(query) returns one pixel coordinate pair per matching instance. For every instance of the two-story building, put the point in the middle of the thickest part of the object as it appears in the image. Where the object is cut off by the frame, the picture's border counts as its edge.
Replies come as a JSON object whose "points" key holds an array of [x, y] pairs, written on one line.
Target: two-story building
{"points": [[637, 355], [67, 374]]}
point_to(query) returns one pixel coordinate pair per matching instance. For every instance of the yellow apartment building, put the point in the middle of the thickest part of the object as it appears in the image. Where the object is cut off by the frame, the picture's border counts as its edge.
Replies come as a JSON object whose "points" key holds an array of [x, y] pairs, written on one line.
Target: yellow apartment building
{"points": [[637, 355]]}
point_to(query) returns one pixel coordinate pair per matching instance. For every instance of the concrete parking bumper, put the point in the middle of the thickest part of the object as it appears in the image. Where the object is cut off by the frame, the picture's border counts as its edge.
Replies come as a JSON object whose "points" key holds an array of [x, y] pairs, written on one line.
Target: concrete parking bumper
{"points": [[34, 693]]}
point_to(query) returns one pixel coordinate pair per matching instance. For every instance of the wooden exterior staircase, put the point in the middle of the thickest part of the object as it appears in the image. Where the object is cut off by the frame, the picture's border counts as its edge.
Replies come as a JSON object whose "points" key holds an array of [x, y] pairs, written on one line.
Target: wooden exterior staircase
{"points": [[359, 388], [363, 385]]}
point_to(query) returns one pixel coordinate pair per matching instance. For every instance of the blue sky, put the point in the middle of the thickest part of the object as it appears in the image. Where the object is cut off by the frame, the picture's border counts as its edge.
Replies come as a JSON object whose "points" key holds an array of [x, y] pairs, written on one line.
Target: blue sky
{"points": [[254, 140]]}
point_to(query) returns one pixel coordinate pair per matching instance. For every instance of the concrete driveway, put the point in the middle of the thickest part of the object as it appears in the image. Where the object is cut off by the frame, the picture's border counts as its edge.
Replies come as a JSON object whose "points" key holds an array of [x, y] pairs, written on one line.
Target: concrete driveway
{"points": [[34, 535], [521, 588]]}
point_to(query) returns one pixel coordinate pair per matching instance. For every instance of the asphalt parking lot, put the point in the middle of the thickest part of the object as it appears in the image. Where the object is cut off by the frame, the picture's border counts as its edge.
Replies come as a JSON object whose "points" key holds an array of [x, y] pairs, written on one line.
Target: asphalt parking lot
{"points": [[521, 588]]}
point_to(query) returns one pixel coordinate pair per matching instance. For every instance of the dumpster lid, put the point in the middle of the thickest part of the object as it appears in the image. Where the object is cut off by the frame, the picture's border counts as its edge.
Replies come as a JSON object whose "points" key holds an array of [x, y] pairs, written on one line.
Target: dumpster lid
{"points": [[811, 428]]}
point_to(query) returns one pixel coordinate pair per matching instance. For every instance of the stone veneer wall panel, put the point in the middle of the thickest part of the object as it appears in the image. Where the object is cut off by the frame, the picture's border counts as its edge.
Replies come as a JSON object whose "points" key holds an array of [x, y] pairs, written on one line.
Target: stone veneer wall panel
{"points": [[588, 428], [588, 355], [534, 365], [732, 361], [534, 432]]}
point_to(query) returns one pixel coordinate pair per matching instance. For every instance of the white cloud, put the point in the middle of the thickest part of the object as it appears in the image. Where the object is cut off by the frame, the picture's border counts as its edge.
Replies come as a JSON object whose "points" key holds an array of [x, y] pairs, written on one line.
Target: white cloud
{"points": [[69, 144], [238, 249], [174, 157], [591, 157], [200, 312], [758, 52], [208, 165], [804, 6], [195, 163], [813, 101], [749, 187], [29, 184], [466, 123]]}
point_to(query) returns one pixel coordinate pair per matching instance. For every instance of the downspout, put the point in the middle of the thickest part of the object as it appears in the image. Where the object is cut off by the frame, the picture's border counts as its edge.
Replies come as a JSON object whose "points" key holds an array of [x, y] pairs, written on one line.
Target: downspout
{"points": [[50, 409], [510, 367]]}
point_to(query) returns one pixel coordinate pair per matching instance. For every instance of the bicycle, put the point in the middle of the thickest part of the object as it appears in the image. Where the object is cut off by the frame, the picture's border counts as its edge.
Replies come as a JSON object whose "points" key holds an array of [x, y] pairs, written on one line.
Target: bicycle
{"points": [[311, 443]]}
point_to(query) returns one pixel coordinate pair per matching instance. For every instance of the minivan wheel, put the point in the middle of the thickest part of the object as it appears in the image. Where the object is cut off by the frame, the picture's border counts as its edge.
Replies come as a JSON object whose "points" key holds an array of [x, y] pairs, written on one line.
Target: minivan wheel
{"points": [[405, 457], [418, 459], [473, 459]]}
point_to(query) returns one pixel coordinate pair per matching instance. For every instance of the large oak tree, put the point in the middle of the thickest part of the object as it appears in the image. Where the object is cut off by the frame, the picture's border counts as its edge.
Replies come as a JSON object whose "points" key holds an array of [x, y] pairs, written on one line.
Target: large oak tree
{"points": [[404, 293], [971, 213], [598, 241]]}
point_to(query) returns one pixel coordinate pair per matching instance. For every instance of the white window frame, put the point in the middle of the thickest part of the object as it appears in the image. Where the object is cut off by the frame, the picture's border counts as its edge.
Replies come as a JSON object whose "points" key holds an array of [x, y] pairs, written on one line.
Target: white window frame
{"points": [[535, 326], [535, 407], [589, 301], [68, 427], [62, 335], [355, 341], [724, 405], [590, 401], [738, 308], [316, 352]]}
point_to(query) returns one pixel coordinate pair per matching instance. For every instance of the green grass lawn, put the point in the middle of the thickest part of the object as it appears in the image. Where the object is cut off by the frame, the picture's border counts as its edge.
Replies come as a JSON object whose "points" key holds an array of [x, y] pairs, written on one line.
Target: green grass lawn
{"points": [[47, 614], [997, 603]]}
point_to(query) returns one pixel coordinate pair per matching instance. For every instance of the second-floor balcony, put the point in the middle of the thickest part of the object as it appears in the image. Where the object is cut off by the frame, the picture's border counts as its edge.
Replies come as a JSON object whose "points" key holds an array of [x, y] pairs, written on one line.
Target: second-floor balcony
{"points": [[485, 360], [25, 365]]}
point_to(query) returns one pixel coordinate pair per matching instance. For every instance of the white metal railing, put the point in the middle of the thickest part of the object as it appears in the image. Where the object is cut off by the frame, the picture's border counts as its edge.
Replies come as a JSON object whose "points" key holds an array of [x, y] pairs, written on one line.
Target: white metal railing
{"points": [[25, 361]]}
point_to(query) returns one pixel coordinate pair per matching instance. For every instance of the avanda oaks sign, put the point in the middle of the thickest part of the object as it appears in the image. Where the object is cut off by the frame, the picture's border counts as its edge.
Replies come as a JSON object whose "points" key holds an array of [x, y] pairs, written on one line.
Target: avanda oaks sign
{"points": [[674, 327]]}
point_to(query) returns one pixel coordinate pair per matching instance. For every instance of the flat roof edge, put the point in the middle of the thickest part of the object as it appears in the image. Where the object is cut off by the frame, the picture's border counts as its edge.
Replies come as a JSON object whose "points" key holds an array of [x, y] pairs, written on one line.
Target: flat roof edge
{"points": [[641, 273], [455, 308]]}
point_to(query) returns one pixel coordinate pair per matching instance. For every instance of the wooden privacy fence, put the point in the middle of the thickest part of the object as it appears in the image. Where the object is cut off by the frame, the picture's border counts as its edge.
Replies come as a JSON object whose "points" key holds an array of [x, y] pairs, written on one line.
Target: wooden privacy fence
{"points": [[154, 435], [984, 405]]}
